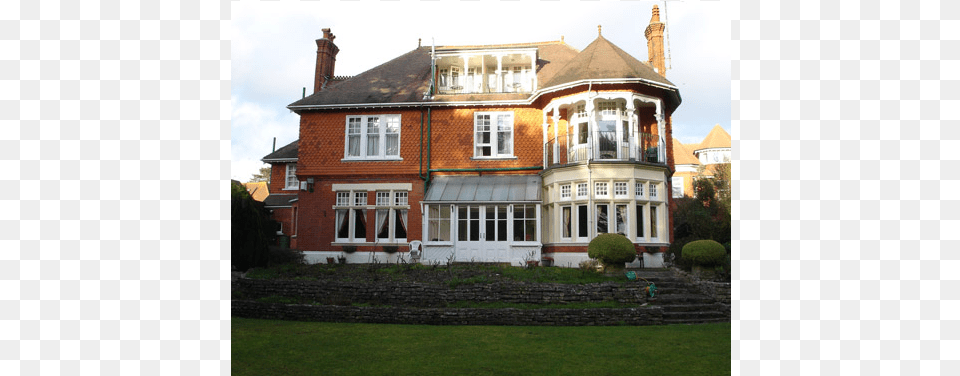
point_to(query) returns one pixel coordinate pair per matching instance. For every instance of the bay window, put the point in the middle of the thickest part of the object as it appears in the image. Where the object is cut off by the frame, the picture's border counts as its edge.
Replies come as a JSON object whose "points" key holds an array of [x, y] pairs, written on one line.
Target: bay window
{"points": [[390, 217]]}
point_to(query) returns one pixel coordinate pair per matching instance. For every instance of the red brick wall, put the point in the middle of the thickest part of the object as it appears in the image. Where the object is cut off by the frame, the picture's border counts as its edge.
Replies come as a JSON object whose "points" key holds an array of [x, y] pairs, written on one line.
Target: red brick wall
{"points": [[322, 141], [316, 228], [453, 138], [278, 178]]}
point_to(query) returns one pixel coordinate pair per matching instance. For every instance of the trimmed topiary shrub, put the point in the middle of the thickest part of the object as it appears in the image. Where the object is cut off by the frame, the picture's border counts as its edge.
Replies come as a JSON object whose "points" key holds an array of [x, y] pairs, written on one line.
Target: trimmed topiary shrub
{"points": [[612, 250], [704, 253]]}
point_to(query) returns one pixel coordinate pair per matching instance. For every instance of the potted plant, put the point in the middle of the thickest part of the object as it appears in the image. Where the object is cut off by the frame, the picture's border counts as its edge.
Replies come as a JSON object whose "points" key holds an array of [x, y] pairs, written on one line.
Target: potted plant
{"points": [[330, 260], [342, 259]]}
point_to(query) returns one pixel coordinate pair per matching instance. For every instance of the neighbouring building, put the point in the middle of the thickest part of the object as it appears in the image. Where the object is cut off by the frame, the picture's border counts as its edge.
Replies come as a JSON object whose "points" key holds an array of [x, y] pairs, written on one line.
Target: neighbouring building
{"points": [[282, 203], [690, 159], [488, 153]]}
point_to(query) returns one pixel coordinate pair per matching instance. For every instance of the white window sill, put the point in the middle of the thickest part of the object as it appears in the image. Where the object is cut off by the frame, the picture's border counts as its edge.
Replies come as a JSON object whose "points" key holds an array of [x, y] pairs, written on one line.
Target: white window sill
{"points": [[438, 243], [391, 159], [503, 158], [291, 188]]}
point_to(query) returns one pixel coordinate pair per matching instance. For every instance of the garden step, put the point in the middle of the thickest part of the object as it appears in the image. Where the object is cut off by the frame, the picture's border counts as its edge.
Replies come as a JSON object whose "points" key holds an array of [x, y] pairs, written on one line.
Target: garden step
{"points": [[694, 321], [693, 316], [682, 298], [691, 308]]}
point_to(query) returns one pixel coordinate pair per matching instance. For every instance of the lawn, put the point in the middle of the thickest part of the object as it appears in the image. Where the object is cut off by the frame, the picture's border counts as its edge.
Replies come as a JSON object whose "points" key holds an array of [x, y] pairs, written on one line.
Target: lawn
{"points": [[268, 347]]}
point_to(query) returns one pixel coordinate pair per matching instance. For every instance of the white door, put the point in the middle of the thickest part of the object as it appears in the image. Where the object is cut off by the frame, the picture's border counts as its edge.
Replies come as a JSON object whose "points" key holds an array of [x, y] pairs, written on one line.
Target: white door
{"points": [[482, 233]]}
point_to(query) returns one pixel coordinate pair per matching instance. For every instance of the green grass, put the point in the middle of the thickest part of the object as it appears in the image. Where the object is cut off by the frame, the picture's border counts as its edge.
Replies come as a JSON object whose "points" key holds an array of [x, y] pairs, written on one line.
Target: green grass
{"points": [[267, 347], [574, 305]]}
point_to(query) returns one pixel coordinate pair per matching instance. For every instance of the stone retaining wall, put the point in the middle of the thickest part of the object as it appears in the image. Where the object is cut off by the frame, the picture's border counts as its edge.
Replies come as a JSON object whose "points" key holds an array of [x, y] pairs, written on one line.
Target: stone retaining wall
{"points": [[409, 294], [719, 291], [449, 316]]}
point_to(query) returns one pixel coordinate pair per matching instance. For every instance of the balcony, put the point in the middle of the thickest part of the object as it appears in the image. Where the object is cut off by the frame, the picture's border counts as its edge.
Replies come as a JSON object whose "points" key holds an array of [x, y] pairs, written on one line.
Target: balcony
{"points": [[562, 151]]}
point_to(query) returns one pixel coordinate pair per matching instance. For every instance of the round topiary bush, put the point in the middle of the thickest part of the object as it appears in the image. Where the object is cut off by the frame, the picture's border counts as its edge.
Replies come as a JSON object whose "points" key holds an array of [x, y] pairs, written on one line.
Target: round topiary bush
{"points": [[704, 252], [612, 249]]}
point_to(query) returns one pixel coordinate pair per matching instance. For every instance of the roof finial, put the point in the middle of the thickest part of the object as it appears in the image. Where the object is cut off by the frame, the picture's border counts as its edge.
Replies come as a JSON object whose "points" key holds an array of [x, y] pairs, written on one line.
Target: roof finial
{"points": [[598, 30], [561, 39]]}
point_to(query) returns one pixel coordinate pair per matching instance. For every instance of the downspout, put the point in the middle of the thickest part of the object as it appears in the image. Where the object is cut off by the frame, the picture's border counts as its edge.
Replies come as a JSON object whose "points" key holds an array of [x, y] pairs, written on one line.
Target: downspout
{"points": [[426, 181], [420, 170]]}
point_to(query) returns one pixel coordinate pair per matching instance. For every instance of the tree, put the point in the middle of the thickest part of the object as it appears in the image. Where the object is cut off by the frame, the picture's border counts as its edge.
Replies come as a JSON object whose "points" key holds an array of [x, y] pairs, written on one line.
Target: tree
{"points": [[263, 175], [251, 230]]}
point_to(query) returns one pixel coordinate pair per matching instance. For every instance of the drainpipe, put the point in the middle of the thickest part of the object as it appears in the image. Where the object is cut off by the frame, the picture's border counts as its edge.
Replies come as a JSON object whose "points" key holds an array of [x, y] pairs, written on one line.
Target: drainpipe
{"points": [[420, 171], [426, 181]]}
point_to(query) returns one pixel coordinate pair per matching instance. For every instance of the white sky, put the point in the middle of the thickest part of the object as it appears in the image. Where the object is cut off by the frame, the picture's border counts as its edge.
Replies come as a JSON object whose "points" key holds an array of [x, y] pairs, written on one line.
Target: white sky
{"points": [[273, 52]]}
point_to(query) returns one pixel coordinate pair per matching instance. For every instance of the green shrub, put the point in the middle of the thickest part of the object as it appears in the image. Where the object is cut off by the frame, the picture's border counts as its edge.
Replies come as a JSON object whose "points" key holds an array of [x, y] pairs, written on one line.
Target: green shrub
{"points": [[675, 253], [280, 256], [704, 252], [612, 249]]}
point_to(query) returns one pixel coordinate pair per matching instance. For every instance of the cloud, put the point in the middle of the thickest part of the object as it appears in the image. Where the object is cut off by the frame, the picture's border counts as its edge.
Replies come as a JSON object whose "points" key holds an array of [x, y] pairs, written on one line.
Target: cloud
{"points": [[253, 128]]}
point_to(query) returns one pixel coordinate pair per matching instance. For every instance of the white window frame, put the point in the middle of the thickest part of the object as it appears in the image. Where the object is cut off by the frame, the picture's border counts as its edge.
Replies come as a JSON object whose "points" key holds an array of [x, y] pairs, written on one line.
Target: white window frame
{"points": [[572, 223], [350, 201], [514, 217], [343, 198], [677, 186], [639, 189], [401, 198], [494, 130], [291, 172], [582, 190], [386, 122], [620, 189], [389, 200], [653, 191], [360, 198], [383, 198], [565, 192], [450, 220], [601, 190]]}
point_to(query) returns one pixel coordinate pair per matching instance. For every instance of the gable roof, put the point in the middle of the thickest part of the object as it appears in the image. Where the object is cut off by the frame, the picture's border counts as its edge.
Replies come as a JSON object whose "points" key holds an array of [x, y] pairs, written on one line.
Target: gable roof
{"points": [[288, 153], [717, 138], [682, 155], [604, 60]]}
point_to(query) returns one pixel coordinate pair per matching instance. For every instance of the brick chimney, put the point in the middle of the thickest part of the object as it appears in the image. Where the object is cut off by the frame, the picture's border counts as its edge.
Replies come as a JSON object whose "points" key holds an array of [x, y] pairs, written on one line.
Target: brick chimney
{"points": [[326, 59], [654, 35]]}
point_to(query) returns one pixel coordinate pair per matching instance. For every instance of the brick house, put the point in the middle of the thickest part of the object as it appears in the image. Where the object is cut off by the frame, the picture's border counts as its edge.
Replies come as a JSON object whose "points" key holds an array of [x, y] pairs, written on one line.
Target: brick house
{"points": [[690, 159], [282, 203], [501, 153]]}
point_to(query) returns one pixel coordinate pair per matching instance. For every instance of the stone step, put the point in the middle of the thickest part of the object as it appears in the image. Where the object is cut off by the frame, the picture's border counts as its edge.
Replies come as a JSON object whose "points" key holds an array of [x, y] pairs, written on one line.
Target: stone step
{"points": [[694, 321], [694, 316], [691, 308], [666, 299]]}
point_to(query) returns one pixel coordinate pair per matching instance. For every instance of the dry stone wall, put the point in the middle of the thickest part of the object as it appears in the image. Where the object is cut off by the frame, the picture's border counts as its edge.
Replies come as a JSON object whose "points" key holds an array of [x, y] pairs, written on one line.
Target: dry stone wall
{"points": [[411, 294], [449, 316]]}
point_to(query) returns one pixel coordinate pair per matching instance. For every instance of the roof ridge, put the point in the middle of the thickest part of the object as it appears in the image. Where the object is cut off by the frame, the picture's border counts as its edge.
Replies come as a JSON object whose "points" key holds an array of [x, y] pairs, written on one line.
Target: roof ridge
{"points": [[526, 44]]}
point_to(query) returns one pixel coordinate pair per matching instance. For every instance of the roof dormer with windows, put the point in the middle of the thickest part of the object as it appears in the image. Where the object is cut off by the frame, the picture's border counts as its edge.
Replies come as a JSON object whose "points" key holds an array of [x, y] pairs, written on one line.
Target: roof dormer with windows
{"points": [[491, 69]]}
